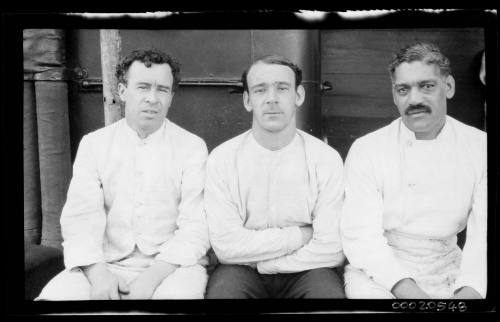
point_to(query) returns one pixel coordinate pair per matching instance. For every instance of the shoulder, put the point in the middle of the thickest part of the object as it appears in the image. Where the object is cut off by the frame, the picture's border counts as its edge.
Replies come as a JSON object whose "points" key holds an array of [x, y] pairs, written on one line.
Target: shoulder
{"points": [[227, 149], [183, 137], [466, 132], [376, 139], [320, 151], [100, 136]]}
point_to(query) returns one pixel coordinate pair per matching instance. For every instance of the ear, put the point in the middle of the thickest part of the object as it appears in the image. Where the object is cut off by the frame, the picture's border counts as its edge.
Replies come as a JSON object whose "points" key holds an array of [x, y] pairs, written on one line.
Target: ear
{"points": [[246, 101], [301, 95], [450, 86], [121, 91]]}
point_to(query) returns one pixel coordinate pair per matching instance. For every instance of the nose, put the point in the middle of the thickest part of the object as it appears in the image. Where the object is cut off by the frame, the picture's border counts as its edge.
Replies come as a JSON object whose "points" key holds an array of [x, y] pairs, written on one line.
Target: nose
{"points": [[272, 96], [414, 97], [152, 96]]}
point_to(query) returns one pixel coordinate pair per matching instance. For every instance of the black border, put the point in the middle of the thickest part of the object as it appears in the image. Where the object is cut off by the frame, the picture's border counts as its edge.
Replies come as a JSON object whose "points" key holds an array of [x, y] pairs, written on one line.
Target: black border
{"points": [[11, 51]]}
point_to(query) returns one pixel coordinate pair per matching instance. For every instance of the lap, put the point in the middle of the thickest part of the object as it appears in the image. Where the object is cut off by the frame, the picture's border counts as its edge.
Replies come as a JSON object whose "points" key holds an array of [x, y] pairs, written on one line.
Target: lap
{"points": [[185, 282]]}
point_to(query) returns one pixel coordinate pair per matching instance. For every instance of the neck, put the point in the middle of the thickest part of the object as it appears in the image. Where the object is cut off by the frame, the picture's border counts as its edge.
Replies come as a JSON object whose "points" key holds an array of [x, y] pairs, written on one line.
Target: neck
{"points": [[274, 140], [431, 135], [142, 132]]}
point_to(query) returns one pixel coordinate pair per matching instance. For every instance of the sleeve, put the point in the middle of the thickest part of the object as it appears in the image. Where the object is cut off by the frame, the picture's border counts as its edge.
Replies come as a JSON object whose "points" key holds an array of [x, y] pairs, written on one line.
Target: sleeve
{"points": [[361, 225], [83, 219], [324, 249], [190, 240], [473, 269], [231, 241]]}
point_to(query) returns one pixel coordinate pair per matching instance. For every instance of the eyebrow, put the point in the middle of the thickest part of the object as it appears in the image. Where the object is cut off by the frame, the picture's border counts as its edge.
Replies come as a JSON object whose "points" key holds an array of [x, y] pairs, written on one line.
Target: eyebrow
{"points": [[264, 84], [419, 82], [149, 84]]}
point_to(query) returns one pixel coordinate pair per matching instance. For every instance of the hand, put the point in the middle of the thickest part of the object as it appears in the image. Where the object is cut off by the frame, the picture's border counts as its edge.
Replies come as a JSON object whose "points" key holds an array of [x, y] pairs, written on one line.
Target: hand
{"points": [[104, 285], [204, 261], [466, 293], [144, 286], [307, 233], [408, 289]]}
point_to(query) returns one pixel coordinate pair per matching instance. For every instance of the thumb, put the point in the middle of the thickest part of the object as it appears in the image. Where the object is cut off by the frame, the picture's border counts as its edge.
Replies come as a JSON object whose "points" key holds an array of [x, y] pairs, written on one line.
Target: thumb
{"points": [[122, 286]]}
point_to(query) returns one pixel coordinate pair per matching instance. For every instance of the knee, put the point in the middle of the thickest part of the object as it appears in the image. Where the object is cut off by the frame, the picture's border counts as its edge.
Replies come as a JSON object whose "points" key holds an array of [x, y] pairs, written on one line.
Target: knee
{"points": [[184, 283], [325, 283], [358, 285], [66, 286], [227, 281]]}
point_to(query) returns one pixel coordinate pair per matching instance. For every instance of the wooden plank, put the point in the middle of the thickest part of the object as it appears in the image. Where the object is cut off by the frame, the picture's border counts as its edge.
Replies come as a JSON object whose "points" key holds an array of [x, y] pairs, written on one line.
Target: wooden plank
{"points": [[369, 107], [369, 51]]}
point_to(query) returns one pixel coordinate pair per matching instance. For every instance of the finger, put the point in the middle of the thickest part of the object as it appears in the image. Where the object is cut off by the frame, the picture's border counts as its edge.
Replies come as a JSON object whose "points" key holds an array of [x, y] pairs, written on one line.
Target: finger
{"points": [[122, 286], [113, 295]]}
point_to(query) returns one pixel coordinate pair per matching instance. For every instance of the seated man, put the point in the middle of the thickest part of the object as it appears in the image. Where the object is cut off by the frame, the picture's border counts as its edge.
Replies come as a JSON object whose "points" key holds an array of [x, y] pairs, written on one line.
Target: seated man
{"points": [[273, 198], [133, 224], [411, 187]]}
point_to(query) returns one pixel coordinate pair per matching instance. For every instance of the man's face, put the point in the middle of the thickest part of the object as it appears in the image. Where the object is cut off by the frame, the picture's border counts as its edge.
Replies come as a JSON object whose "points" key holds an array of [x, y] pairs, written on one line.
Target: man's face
{"points": [[420, 93], [147, 96], [272, 97]]}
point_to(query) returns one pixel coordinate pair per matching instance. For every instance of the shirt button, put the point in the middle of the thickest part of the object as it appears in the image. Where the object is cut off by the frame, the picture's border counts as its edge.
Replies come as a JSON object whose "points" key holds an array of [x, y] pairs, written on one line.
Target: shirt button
{"points": [[410, 143], [411, 185]]}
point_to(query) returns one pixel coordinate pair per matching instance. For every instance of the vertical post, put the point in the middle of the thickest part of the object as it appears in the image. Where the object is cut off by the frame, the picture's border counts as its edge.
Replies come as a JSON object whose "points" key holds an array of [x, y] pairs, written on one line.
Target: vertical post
{"points": [[110, 53]]}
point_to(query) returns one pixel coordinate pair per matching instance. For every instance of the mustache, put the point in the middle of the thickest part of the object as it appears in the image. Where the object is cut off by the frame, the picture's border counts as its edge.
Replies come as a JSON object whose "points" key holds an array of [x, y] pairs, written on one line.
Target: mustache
{"points": [[418, 107]]}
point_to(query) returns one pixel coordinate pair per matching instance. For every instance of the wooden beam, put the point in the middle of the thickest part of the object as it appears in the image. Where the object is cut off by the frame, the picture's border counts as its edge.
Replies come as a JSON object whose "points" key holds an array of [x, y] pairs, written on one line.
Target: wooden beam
{"points": [[110, 55]]}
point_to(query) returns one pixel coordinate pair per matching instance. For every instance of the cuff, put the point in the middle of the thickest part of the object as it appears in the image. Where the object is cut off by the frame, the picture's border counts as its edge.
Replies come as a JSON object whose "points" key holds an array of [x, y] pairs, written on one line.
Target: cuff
{"points": [[80, 254], [179, 252]]}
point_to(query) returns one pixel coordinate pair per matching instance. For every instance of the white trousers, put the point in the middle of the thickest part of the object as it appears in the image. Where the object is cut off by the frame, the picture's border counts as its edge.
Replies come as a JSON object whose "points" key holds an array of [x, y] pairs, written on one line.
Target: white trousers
{"points": [[186, 282]]}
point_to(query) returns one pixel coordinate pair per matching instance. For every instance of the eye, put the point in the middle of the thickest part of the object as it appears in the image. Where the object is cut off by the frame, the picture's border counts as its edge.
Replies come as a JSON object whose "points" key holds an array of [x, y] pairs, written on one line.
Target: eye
{"points": [[258, 90], [428, 86], [283, 88], [402, 90]]}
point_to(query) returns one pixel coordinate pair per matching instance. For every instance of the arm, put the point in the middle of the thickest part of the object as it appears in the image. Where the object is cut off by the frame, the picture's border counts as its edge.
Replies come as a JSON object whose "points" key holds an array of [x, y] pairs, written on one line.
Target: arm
{"points": [[473, 269], [231, 241], [362, 223], [190, 240], [83, 219], [324, 249]]}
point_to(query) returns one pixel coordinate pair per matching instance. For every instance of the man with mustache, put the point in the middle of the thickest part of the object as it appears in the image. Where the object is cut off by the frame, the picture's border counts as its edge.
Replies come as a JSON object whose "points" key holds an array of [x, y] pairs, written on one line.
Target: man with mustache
{"points": [[411, 187], [133, 223], [273, 198]]}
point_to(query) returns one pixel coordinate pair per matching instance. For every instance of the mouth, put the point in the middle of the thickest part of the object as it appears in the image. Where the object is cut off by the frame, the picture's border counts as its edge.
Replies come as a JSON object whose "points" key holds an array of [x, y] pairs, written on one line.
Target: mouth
{"points": [[150, 112]]}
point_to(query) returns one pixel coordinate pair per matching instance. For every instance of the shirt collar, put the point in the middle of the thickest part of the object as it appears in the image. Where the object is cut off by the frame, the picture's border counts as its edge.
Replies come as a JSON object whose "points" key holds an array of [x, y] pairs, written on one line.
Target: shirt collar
{"points": [[408, 135], [153, 137]]}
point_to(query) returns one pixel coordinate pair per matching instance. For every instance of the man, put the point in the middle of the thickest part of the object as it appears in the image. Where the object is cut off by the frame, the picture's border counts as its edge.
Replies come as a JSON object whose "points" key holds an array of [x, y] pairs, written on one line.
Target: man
{"points": [[273, 198], [133, 224], [411, 187]]}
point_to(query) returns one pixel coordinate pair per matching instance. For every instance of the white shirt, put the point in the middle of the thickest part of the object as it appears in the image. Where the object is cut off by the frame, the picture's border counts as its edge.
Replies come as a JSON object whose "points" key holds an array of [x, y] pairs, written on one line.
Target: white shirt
{"points": [[256, 199], [400, 190], [129, 193]]}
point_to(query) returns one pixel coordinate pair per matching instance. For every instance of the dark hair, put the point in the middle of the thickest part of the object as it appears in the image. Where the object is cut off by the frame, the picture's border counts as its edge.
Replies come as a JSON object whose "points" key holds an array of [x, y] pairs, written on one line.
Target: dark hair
{"points": [[424, 52], [148, 57], [276, 60]]}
